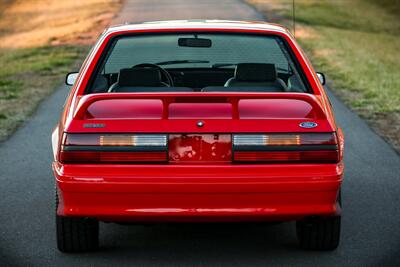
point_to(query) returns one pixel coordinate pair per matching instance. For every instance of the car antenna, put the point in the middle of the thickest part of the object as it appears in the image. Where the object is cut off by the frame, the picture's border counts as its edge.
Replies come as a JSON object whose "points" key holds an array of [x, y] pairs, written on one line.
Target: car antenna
{"points": [[294, 18]]}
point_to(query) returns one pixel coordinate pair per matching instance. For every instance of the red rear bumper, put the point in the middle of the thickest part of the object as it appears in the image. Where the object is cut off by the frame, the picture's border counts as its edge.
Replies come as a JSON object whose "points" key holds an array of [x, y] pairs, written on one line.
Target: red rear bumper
{"points": [[198, 192]]}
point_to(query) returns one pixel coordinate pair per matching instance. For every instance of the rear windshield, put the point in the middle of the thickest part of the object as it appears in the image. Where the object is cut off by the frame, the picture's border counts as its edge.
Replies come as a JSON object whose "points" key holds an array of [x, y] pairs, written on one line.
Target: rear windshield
{"points": [[197, 62]]}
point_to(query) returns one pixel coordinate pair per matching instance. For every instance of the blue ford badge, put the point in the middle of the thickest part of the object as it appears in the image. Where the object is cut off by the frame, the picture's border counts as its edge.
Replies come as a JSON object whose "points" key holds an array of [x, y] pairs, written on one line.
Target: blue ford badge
{"points": [[308, 124]]}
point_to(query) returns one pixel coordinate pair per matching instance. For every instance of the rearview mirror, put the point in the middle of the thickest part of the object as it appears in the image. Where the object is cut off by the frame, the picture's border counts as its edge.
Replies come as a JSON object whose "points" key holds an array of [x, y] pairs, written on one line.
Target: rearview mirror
{"points": [[71, 78], [194, 42], [321, 78]]}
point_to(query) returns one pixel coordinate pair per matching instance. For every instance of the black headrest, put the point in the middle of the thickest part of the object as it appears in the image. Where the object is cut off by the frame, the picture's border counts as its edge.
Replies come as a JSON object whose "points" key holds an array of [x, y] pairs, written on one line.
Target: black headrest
{"points": [[255, 89], [255, 72], [147, 89], [139, 77]]}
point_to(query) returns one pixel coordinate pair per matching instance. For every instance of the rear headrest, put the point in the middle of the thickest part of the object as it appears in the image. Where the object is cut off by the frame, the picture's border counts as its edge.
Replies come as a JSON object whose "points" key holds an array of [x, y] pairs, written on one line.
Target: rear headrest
{"points": [[255, 72], [139, 77], [147, 89], [256, 89]]}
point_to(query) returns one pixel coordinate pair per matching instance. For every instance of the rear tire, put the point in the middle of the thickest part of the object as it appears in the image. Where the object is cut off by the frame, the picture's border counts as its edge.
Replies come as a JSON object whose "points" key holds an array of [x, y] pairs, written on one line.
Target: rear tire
{"points": [[319, 233], [75, 234]]}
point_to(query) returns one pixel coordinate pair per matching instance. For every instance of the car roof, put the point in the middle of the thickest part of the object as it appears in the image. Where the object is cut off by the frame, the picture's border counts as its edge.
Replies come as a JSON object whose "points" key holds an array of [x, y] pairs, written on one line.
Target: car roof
{"points": [[198, 24]]}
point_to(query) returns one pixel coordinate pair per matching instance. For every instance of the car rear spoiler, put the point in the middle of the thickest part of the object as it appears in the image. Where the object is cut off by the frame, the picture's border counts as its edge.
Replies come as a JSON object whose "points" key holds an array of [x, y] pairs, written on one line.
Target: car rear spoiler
{"points": [[198, 97]]}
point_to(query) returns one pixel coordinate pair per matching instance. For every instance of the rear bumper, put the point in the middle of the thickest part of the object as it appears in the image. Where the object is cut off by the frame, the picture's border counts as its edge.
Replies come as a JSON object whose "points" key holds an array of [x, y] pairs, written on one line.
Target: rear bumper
{"points": [[146, 193]]}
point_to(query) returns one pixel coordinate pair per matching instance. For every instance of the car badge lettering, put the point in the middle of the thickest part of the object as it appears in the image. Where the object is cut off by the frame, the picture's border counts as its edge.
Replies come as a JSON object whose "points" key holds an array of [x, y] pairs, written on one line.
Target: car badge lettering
{"points": [[94, 125]]}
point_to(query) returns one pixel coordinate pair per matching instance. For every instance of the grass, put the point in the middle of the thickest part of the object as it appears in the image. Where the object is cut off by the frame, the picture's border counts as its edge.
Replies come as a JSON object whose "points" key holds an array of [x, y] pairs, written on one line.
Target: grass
{"points": [[40, 41], [356, 43], [24, 85]]}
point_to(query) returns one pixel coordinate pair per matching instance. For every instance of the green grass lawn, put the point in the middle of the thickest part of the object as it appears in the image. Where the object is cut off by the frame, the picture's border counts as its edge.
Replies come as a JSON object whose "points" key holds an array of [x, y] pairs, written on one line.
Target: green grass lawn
{"points": [[27, 76], [357, 44], [44, 61]]}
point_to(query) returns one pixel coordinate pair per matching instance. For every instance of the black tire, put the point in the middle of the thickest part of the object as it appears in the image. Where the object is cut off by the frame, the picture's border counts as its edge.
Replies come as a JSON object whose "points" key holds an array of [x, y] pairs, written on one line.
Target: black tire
{"points": [[319, 233], [75, 234]]}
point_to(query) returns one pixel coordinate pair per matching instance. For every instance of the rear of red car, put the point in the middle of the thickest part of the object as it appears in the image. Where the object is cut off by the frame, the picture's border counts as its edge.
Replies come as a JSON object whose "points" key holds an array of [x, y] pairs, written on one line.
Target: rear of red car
{"points": [[211, 155]]}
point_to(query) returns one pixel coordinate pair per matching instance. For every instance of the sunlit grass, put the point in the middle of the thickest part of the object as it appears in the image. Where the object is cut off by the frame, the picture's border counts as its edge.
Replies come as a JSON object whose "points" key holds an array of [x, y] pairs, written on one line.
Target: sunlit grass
{"points": [[352, 15], [40, 41]]}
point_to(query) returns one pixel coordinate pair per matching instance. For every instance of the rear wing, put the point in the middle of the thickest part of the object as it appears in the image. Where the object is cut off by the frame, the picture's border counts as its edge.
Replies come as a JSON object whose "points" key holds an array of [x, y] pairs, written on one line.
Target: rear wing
{"points": [[239, 102]]}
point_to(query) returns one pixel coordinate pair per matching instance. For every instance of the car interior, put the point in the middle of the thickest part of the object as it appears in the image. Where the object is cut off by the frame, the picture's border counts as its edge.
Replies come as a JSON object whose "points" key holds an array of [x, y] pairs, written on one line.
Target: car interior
{"points": [[245, 77]]}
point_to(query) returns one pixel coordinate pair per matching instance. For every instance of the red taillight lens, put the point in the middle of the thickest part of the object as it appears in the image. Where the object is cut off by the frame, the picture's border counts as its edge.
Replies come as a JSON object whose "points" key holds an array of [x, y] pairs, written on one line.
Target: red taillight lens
{"points": [[304, 148], [113, 148], [111, 157], [282, 156]]}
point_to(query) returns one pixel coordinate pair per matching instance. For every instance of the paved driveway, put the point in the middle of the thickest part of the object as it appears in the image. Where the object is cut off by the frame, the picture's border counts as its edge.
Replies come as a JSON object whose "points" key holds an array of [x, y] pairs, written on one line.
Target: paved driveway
{"points": [[370, 231]]}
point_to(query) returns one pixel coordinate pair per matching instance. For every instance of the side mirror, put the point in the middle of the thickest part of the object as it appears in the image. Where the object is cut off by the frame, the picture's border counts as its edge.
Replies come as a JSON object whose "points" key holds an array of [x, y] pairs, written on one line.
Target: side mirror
{"points": [[321, 78], [71, 78]]}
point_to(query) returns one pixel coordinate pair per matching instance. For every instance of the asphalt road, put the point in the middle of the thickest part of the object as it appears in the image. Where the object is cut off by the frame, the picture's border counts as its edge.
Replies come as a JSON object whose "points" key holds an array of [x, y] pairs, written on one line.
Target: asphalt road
{"points": [[371, 192]]}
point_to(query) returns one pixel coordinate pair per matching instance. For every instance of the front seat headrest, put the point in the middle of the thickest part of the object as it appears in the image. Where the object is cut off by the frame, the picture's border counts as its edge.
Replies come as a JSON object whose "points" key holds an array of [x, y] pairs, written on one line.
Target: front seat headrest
{"points": [[139, 77], [255, 72]]}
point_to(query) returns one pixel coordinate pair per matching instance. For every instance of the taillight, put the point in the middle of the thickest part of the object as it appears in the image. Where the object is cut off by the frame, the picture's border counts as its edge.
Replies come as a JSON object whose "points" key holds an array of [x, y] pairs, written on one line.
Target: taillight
{"points": [[296, 148], [114, 148]]}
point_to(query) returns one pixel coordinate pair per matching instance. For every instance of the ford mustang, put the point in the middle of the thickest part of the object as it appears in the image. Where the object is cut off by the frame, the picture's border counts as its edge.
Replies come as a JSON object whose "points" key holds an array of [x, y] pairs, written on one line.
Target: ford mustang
{"points": [[197, 121]]}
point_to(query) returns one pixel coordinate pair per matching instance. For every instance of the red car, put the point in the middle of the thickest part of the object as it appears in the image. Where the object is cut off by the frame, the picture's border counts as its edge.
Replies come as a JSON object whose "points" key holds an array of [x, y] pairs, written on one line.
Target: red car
{"points": [[197, 121]]}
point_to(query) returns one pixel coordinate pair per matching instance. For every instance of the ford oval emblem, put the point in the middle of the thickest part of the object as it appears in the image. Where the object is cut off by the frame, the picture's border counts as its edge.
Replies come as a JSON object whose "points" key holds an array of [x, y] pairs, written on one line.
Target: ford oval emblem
{"points": [[308, 124]]}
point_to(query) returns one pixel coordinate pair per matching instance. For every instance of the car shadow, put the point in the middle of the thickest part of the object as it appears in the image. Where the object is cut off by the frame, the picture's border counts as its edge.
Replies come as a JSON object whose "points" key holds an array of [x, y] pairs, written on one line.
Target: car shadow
{"points": [[204, 244], [191, 240]]}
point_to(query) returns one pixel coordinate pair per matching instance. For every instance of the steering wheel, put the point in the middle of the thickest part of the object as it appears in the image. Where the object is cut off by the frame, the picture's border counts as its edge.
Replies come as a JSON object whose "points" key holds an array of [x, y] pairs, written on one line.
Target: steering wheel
{"points": [[170, 81]]}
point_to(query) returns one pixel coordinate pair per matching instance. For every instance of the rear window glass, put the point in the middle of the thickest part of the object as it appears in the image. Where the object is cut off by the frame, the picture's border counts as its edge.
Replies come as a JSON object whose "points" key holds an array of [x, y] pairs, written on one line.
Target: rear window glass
{"points": [[224, 52], [131, 51]]}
